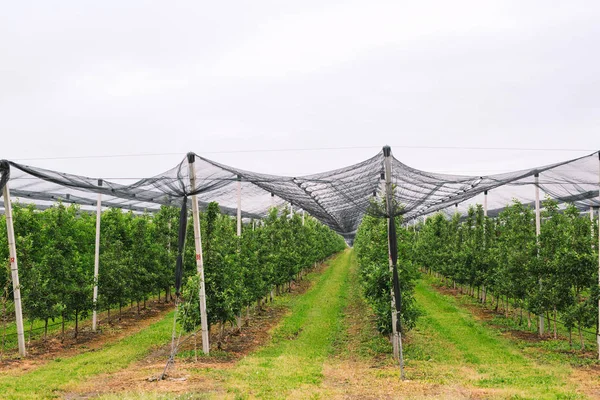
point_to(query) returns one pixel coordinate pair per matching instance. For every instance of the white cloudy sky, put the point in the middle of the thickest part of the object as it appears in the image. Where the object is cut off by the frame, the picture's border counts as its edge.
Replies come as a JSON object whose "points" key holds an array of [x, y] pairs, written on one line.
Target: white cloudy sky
{"points": [[80, 78]]}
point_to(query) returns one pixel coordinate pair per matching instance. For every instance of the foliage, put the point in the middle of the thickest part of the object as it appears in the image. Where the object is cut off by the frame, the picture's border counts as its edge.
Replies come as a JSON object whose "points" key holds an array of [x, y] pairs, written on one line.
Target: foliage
{"points": [[556, 273], [371, 246], [241, 270], [56, 246]]}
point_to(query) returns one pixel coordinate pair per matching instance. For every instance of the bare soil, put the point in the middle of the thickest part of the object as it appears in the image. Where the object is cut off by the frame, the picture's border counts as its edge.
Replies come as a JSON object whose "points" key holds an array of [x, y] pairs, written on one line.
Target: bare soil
{"points": [[180, 377], [40, 350]]}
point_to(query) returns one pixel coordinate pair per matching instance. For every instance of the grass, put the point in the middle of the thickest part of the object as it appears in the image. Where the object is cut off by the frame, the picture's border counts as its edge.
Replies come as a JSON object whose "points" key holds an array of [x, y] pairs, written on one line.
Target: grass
{"points": [[547, 349], [326, 346], [35, 330], [301, 343], [51, 379], [360, 339], [449, 346]]}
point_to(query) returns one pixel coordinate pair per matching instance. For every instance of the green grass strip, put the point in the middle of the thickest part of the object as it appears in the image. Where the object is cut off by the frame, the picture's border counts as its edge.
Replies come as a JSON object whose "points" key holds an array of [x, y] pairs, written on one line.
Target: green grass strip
{"points": [[450, 346], [302, 341], [49, 380]]}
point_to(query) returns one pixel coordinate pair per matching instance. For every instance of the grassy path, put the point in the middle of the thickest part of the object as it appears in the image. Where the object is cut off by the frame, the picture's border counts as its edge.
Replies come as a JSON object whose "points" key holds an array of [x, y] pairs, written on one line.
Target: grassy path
{"points": [[301, 343], [450, 346], [326, 347], [49, 380]]}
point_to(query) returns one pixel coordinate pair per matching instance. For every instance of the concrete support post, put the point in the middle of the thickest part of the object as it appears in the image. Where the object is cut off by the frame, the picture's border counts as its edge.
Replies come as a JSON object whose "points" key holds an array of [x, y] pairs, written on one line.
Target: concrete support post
{"points": [[14, 270]]}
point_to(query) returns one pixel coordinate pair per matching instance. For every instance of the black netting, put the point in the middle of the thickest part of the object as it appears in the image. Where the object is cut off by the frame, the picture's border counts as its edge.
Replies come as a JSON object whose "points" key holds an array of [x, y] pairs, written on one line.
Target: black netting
{"points": [[338, 198], [4, 173]]}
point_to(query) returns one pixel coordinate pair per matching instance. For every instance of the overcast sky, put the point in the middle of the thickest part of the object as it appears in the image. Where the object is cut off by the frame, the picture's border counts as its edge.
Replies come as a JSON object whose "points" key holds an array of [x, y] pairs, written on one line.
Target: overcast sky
{"points": [[81, 78]]}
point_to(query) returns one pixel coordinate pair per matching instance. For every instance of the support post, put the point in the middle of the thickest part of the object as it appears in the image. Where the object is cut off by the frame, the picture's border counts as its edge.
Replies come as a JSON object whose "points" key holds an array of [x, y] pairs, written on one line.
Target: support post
{"points": [[485, 203], [272, 200], [538, 222], [199, 257], [14, 270], [598, 333], [239, 205], [485, 214], [96, 260], [396, 329], [239, 233]]}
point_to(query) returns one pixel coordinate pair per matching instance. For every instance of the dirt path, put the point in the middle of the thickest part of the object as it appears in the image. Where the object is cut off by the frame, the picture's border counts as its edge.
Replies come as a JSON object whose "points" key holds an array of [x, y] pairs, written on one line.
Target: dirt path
{"points": [[42, 351], [322, 344], [195, 373]]}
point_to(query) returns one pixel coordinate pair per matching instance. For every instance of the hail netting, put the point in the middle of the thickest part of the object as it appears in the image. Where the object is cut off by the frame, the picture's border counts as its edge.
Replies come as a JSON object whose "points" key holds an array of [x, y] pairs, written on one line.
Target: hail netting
{"points": [[338, 198], [4, 173], [423, 193]]}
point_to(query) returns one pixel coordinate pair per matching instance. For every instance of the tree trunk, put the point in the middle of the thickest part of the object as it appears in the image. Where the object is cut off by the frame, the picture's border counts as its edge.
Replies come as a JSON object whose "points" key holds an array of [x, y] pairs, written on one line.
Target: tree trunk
{"points": [[221, 331], [520, 316], [555, 331], [63, 328], [580, 337], [4, 321], [30, 330], [529, 319], [195, 347], [570, 337], [76, 323], [45, 329], [138, 307]]}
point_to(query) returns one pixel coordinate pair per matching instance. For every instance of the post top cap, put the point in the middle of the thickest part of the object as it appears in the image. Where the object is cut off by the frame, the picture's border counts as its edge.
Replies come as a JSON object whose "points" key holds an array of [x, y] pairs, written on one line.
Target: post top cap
{"points": [[387, 150]]}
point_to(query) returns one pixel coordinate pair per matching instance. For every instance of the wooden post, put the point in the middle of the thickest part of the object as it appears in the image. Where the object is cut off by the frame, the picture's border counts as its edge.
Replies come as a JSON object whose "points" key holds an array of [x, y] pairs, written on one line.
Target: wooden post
{"points": [[14, 269], [96, 260], [396, 335], [199, 257], [538, 222]]}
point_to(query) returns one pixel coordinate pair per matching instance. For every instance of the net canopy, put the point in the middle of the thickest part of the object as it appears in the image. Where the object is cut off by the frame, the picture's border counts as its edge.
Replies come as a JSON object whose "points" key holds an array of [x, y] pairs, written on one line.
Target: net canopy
{"points": [[338, 198]]}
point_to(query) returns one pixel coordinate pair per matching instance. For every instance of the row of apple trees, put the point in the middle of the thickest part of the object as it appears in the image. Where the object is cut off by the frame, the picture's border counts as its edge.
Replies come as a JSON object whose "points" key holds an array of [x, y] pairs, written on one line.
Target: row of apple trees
{"points": [[55, 250], [502, 260], [371, 247], [241, 271]]}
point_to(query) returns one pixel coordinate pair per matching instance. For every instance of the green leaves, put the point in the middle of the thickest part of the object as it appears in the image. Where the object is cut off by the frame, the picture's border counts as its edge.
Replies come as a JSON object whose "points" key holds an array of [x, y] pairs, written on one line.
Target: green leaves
{"points": [[137, 258], [241, 270], [371, 246], [557, 272]]}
